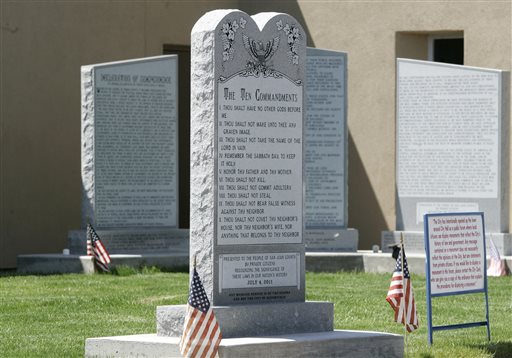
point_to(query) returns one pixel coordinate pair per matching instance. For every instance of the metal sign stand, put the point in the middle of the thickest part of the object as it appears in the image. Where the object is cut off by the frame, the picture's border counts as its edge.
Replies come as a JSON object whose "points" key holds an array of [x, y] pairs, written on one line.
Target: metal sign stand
{"points": [[430, 295]]}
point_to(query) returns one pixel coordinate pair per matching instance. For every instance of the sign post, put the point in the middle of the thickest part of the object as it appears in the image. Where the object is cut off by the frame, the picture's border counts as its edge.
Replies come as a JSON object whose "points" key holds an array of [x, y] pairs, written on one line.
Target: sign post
{"points": [[456, 262]]}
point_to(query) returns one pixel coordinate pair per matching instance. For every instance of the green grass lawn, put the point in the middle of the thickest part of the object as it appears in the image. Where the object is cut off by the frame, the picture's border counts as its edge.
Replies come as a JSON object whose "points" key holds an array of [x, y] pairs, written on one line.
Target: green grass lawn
{"points": [[51, 316]]}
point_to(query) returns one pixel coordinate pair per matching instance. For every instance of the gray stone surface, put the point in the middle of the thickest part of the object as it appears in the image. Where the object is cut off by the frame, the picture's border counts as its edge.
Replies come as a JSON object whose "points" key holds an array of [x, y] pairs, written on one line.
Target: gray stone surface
{"points": [[246, 155], [342, 240], [364, 261], [255, 320], [452, 143], [129, 143], [54, 263], [326, 153], [413, 241], [336, 343], [325, 136], [134, 241], [59, 263]]}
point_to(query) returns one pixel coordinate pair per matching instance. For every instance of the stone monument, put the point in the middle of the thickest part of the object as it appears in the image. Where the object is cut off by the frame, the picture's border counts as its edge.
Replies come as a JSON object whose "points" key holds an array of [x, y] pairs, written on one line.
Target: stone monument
{"points": [[452, 149], [246, 156], [326, 153], [130, 156], [246, 231]]}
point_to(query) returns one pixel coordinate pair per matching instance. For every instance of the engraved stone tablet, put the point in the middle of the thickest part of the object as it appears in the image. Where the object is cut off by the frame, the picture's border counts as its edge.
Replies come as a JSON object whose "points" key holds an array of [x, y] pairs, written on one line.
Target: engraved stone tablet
{"points": [[129, 143], [246, 156], [450, 143], [326, 139], [326, 153]]}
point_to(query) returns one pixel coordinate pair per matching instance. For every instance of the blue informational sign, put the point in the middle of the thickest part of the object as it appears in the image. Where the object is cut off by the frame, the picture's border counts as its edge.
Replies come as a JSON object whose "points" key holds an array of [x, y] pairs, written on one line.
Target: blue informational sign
{"points": [[456, 261]]}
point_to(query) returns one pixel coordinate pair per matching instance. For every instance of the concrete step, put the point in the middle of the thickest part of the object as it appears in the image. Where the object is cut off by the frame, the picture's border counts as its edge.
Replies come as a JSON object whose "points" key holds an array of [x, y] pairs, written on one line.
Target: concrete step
{"points": [[364, 261], [254, 320], [59, 263], [337, 343], [368, 261]]}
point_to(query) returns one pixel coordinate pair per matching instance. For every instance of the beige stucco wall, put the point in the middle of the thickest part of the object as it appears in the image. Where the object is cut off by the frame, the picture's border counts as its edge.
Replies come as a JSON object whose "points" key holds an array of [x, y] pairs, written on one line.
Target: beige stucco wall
{"points": [[368, 32], [43, 45]]}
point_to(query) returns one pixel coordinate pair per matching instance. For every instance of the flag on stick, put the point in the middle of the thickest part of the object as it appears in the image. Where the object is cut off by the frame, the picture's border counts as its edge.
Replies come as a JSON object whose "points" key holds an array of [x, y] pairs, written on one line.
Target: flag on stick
{"points": [[497, 266], [201, 333], [400, 295], [101, 256]]}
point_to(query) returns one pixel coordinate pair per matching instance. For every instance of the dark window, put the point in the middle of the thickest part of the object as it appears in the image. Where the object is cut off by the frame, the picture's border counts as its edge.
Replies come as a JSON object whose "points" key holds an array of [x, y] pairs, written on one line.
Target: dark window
{"points": [[448, 51]]}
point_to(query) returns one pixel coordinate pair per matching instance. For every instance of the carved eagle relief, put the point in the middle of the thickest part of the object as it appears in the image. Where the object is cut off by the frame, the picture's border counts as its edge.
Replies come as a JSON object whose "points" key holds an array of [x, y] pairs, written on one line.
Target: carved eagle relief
{"points": [[260, 52]]}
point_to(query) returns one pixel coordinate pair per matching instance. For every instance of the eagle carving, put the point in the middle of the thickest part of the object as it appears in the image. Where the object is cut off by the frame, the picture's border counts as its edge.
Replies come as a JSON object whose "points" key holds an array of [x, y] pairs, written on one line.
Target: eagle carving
{"points": [[260, 52]]}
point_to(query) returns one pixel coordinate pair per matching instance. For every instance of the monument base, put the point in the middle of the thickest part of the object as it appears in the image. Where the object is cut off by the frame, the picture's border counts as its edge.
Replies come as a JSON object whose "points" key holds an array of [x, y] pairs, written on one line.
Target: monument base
{"points": [[254, 320], [133, 240], [59, 263], [291, 329], [337, 343], [331, 240], [415, 242]]}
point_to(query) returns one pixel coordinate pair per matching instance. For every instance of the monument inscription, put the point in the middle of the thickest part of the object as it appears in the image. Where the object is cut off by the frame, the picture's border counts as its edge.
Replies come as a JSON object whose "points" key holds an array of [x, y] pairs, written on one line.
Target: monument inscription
{"points": [[450, 137], [129, 156], [326, 140], [326, 160], [260, 161], [247, 156]]}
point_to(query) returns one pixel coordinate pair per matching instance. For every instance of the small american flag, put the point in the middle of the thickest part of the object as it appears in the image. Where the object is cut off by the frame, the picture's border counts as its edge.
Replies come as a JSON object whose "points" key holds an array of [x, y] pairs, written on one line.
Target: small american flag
{"points": [[201, 333], [89, 245], [101, 256], [401, 298], [497, 266]]}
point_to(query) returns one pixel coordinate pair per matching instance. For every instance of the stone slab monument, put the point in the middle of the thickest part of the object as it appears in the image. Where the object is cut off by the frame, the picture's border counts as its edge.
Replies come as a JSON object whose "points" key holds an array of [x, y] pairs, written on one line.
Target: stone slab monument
{"points": [[247, 119], [247, 197], [326, 145], [452, 149], [130, 156]]}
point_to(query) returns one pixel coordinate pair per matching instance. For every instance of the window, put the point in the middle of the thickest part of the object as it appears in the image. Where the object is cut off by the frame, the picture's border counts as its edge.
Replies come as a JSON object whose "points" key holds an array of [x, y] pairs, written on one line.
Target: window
{"points": [[437, 46], [446, 49]]}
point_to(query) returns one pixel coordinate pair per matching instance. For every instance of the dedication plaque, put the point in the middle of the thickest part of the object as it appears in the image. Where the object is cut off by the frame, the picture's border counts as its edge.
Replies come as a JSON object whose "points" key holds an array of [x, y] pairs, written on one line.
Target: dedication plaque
{"points": [[450, 137], [129, 140], [256, 165]]}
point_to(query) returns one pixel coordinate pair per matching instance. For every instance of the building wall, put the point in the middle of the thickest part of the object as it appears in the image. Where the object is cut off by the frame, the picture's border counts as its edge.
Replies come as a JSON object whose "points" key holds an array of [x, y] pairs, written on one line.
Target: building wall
{"points": [[374, 33], [43, 45]]}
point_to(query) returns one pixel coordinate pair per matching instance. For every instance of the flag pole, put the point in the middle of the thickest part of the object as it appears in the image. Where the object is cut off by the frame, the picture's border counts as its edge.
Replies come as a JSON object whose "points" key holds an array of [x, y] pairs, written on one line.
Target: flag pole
{"points": [[402, 301]]}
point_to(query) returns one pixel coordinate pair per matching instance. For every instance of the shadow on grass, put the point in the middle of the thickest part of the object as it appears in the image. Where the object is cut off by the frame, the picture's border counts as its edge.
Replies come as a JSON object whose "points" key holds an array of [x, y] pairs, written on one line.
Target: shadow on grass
{"points": [[8, 272], [497, 349]]}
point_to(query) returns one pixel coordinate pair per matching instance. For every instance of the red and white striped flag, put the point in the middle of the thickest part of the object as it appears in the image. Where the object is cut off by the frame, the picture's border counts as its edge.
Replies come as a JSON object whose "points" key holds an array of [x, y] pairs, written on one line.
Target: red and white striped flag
{"points": [[201, 333], [497, 266], [101, 256], [401, 297], [89, 244]]}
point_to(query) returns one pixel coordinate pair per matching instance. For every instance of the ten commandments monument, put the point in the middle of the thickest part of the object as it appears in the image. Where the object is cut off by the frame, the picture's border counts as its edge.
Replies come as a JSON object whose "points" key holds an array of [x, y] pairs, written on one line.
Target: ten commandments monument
{"points": [[247, 192]]}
